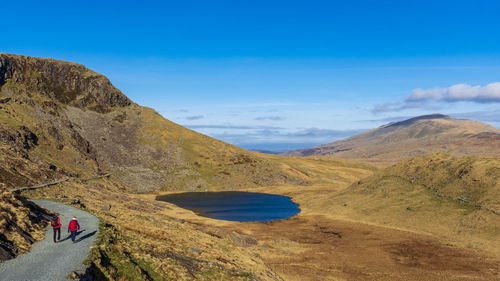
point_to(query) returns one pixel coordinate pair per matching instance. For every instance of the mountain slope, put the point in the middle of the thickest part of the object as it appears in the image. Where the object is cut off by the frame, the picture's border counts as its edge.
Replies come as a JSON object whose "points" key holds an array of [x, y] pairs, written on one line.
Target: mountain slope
{"points": [[21, 224], [61, 119], [435, 193], [393, 142]]}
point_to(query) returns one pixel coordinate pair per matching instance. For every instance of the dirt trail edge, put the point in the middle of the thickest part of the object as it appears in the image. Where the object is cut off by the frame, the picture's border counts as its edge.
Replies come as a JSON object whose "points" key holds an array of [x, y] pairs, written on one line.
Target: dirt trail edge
{"points": [[54, 261]]}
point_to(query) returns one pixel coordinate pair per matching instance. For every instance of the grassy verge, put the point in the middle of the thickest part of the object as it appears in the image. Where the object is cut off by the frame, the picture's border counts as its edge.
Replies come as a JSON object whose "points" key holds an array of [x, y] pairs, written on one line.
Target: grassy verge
{"points": [[110, 261]]}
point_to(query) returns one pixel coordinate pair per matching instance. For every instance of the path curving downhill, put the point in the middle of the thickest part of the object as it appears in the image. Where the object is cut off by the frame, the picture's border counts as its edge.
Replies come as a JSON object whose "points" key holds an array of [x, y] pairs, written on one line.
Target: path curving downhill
{"points": [[54, 261]]}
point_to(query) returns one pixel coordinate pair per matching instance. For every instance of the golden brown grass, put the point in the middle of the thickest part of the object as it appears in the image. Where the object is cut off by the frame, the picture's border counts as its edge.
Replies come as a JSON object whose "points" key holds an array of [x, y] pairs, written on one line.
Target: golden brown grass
{"points": [[390, 144], [142, 238], [19, 227], [342, 233], [395, 224], [455, 199]]}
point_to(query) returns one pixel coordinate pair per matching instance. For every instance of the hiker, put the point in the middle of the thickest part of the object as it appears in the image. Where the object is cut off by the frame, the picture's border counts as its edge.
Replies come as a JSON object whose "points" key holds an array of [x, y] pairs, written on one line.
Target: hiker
{"points": [[56, 226], [73, 227]]}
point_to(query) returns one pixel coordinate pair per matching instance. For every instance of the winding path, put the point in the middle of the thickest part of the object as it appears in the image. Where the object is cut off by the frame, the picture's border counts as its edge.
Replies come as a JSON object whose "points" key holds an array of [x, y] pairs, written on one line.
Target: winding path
{"points": [[54, 261]]}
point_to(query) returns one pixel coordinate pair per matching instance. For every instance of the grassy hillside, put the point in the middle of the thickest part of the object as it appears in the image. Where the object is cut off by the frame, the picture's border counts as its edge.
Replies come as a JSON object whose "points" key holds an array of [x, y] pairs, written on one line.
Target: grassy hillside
{"points": [[438, 194], [21, 224], [61, 119], [144, 239], [397, 141]]}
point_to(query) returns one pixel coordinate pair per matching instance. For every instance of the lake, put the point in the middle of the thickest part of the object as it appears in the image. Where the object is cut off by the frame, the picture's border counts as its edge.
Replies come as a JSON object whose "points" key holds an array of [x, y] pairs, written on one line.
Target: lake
{"points": [[235, 205]]}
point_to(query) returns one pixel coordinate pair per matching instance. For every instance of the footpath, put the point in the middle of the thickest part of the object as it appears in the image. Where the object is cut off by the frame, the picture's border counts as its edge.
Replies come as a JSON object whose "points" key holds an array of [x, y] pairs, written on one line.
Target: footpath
{"points": [[54, 261]]}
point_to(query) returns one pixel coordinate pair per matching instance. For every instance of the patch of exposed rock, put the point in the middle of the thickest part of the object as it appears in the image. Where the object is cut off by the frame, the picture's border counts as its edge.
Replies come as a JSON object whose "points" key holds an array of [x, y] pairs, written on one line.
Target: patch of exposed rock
{"points": [[68, 83]]}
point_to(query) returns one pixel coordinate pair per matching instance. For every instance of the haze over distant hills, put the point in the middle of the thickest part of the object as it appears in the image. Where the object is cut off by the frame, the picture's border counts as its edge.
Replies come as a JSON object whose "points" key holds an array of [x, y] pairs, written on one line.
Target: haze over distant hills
{"points": [[395, 141]]}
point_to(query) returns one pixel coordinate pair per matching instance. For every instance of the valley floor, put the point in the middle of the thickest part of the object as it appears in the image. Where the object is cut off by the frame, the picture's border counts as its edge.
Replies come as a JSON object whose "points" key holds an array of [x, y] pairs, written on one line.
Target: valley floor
{"points": [[311, 247], [314, 246], [146, 239]]}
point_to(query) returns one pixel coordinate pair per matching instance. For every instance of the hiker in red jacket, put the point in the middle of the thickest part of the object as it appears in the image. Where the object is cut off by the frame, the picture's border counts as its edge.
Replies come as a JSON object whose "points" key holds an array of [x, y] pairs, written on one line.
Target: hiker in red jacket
{"points": [[73, 227], [56, 226]]}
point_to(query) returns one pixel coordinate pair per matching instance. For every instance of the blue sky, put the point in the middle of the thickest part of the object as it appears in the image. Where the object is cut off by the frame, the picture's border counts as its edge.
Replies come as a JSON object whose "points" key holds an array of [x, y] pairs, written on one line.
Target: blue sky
{"points": [[277, 74]]}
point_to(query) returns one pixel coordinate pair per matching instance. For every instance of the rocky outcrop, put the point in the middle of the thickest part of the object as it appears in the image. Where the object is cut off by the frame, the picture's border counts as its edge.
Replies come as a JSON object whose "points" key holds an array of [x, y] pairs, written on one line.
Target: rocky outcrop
{"points": [[68, 83]]}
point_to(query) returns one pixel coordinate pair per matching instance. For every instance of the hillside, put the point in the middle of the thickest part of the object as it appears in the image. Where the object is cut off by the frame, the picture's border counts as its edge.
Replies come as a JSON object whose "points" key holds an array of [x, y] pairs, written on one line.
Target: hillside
{"points": [[437, 194], [61, 119], [21, 224], [396, 141]]}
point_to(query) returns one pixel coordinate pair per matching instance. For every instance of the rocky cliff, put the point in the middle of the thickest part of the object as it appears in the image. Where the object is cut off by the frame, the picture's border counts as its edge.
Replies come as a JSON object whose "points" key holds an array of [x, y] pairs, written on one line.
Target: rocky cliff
{"points": [[67, 83]]}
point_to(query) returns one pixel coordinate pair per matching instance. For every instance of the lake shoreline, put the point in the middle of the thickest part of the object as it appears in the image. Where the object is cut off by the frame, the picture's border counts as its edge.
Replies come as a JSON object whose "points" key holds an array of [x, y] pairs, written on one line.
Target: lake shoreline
{"points": [[240, 206]]}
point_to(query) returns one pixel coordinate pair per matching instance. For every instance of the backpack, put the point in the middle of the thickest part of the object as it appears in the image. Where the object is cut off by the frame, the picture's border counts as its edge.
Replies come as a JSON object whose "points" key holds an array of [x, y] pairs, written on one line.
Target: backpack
{"points": [[73, 225], [54, 222]]}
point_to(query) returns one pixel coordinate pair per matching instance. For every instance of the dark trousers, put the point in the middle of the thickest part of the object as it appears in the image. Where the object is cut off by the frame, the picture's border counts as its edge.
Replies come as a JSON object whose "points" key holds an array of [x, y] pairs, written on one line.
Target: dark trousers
{"points": [[57, 231], [73, 235]]}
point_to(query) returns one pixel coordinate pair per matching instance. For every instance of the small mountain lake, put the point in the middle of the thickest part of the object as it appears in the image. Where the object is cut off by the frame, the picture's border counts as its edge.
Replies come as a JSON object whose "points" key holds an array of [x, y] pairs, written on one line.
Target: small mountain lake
{"points": [[235, 205]]}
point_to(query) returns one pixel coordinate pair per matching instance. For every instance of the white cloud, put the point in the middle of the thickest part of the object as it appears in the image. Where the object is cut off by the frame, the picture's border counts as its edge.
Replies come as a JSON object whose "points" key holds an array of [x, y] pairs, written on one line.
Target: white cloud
{"points": [[231, 127], [324, 133], [485, 116], [195, 117], [271, 118], [276, 136], [431, 99], [400, 106], [458, 92]]}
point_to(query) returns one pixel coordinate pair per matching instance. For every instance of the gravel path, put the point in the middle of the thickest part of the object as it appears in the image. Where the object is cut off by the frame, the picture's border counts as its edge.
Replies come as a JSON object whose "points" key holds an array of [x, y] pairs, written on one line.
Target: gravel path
{"points": [[54, 261]]}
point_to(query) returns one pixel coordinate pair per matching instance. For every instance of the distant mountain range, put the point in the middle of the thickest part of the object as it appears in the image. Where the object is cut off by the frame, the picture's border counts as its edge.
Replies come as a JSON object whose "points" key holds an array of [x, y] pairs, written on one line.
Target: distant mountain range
{"points": [[396, 141]]}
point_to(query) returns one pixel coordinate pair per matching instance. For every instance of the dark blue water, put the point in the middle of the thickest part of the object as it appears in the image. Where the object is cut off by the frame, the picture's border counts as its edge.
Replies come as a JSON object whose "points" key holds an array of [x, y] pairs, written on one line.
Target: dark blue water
{"points": [[235, 205]]}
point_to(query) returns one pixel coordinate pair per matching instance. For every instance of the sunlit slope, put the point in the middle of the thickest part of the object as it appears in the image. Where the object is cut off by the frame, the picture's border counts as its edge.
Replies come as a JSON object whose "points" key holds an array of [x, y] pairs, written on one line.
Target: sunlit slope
{"points": [[437, 193], [19, 226], [393, 142], [151, 153], [61, 119]]}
